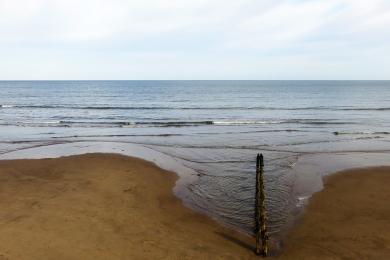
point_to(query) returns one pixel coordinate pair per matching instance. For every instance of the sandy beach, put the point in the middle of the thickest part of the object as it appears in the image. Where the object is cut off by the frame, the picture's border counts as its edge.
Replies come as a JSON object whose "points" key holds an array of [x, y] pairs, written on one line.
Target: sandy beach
{"points": [[105, 206], [102, 206], [348, 219], [133, 129]]}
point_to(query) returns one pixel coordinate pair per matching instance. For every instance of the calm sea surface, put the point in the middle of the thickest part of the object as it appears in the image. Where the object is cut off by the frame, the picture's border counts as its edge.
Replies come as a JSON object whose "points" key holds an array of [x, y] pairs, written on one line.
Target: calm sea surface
{"points": [[215, 128]]}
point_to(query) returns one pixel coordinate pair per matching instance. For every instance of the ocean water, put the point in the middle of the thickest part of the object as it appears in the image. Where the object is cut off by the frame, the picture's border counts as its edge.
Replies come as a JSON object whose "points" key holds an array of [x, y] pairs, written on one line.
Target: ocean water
{"points": [[214, 128]]}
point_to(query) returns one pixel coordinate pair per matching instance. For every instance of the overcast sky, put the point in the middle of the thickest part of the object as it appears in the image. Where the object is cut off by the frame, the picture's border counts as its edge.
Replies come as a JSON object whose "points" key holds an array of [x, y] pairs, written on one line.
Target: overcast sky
{"points": [[194, 39]]}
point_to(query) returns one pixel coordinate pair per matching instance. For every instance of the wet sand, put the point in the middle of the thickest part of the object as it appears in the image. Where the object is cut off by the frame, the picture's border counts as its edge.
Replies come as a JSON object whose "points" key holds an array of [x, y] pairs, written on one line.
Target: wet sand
{"points": [[348, 219], [105, 206]]}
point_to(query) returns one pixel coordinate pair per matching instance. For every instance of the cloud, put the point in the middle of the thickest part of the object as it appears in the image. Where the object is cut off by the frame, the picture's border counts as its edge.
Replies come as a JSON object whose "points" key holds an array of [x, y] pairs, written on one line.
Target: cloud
{"points": [[94, 20], [240, 38]]}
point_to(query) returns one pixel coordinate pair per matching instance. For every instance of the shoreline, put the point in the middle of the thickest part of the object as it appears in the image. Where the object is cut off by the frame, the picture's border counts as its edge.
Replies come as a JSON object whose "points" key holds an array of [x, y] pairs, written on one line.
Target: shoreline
{"points": [[306, 172], [347, 219], [103, 206], [231, 243]]}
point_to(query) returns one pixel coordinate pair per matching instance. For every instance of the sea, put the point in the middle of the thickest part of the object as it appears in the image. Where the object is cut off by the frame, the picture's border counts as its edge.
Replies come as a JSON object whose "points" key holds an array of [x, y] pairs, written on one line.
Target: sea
{"points": [[211, 132]]}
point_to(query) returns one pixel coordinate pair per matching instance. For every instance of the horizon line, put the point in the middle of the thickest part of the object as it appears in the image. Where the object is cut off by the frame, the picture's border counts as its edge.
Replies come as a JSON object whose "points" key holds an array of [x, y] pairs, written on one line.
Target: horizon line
{"points": [[3, 80]]}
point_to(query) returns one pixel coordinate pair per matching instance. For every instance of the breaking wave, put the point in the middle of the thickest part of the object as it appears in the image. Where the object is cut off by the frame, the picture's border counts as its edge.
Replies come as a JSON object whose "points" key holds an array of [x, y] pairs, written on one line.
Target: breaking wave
{"points": [[103, 107]]}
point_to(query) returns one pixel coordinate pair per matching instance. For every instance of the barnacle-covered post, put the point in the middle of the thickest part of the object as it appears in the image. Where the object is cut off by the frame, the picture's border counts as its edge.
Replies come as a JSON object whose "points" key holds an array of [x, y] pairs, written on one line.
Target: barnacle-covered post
{"points": [[260, 213]]}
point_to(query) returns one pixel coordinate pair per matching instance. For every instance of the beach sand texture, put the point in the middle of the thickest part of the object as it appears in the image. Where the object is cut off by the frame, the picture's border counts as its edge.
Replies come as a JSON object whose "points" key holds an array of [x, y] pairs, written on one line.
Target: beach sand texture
{"points": [[105, 206], [348, 219], [99, 206]]}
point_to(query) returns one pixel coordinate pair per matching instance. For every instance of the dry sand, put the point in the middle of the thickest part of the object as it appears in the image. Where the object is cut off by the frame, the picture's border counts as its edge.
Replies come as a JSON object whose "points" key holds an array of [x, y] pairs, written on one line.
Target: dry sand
{"points": [[104, 206]]}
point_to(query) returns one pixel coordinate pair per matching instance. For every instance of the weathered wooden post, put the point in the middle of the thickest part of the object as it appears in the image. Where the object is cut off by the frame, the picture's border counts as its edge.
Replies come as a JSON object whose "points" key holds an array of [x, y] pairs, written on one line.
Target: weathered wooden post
{"points": [[261, 228]]}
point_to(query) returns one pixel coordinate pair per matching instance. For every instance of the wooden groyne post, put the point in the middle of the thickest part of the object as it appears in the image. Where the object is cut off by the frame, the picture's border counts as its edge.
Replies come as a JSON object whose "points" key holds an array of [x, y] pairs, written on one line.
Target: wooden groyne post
{"points": [[260, 213]]}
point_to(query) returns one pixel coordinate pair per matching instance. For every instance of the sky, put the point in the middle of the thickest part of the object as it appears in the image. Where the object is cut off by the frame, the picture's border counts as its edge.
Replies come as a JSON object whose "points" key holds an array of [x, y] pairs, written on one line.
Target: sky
{"points": [[194, 39]]}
